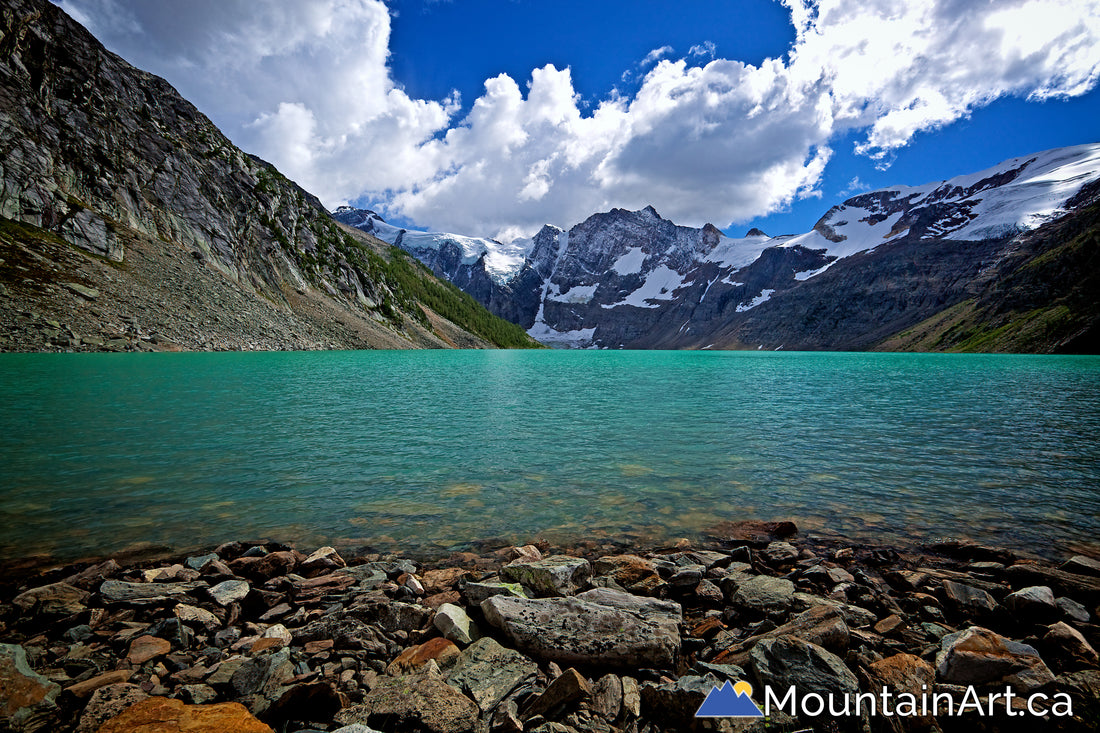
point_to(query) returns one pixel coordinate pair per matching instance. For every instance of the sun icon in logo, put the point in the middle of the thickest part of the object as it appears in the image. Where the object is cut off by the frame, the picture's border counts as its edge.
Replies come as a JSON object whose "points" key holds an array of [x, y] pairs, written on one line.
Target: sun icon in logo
{"points": [[743, 688]]}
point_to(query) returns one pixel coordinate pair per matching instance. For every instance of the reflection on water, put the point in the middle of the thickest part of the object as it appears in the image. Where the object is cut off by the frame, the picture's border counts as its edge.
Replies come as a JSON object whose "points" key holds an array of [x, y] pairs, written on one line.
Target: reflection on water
{"points": [[430, 450]]}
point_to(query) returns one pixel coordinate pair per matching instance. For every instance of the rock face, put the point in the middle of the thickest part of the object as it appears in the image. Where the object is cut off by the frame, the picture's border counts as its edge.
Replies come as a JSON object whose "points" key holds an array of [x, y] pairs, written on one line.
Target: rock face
{"points": [[600, 626], [112, 160], [26, 697], [873, 268]]}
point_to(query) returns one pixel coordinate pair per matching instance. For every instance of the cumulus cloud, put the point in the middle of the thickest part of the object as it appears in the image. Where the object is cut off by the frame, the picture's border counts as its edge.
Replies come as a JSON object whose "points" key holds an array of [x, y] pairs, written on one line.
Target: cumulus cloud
{"points": [[307, 85]]}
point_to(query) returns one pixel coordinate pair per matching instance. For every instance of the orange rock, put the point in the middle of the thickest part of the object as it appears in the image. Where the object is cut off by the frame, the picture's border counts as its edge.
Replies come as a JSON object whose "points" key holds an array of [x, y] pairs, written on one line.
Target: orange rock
{"points": [[266, 643], [439, 581], [163, 715], [87, 687], [441, 650], [144, 648]]}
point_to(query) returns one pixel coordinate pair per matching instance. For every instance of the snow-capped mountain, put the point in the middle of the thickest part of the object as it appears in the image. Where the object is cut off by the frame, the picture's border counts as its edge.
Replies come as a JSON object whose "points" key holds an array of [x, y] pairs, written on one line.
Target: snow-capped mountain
{"points": [[871, 267]]}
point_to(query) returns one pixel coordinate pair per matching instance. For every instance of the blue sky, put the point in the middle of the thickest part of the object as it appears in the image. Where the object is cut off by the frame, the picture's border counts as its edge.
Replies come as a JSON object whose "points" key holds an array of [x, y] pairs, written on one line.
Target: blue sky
{"points": [[492, 117]]}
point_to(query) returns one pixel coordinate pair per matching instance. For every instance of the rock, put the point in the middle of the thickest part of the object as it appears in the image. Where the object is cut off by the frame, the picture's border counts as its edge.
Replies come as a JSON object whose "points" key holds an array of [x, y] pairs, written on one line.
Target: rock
{"points": [[821, 625], [194, 615], [443, 651], [106, 703], [977, 656], [161, 714], [346, 632], [477, 592], [438, 581], [87, 687], [57, 599], [1034, 603], [262, 567], [557, 575], [305, 701], [146, 594], [356, 728], [526, 553], [92, 576], [854, 616], [321, 560], [368, 577], [1078, 586], [791, 662], [27, 699], [780, 554], [197, 694], [903, 673], [674, 703], [567, 688], [968, 600], [1072, 610], [422, 703], [601, 626], [392, 615], [626, 570], [488, 672], [686, 579], [230, 591], [196, 562], [763, 594], [82, 290], [144, 648], [890, 624], [753, 533], [607, 697], [453, 622], [1081, 565], [1066, 650]]}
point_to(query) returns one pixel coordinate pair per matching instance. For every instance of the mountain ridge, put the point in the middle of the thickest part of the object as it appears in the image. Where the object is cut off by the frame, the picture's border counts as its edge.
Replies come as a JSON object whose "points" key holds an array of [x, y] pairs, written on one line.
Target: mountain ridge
{"points": [[901, 254]]}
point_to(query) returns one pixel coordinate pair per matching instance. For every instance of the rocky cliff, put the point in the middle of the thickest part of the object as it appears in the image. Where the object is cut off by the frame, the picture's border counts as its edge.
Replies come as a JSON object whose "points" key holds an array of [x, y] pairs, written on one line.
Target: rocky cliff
{"points": [[130, 221]]}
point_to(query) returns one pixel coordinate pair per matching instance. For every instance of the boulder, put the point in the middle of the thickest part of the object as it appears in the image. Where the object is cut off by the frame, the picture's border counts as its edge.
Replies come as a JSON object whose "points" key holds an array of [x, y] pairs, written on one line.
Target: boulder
{"points": [[626, 570], [160, 714], [439, 581], [324, 559], [557, 575], [903, 673], [56, 599], [980, 657], [27, 699], [1081, 565], [1034, 603], [106, 703], [488, 672], [763, 594], [567, 688], [1072, 610], [443, 651], [968, 600], [146, 594], [674, 703], [607, 697], [601, 626], [230, 591], [423, 703], [780, 554], [788, 661], [477, 592], [821, 625], [455, 624], [392, 615], [1067, 650]]}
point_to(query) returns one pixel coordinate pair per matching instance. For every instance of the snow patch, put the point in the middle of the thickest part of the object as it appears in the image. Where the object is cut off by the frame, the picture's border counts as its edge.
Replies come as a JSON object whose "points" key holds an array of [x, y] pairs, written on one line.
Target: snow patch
{"points": [[577, 294], [764, 296], [661, 284], [629, 263]]}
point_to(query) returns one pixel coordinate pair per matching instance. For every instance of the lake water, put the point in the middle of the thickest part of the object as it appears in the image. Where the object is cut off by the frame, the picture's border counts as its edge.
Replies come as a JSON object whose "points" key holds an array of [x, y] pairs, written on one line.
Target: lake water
{"points": [[427, 451]]}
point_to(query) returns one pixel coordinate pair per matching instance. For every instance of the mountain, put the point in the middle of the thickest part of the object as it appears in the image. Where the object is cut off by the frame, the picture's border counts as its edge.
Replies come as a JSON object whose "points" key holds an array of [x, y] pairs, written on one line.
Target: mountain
{"points": [[872, 269], [128, 221]]}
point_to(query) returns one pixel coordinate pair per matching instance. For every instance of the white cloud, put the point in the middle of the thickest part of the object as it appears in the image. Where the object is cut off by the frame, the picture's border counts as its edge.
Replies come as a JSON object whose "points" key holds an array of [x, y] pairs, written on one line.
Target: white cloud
{"points": [[306, 85]]}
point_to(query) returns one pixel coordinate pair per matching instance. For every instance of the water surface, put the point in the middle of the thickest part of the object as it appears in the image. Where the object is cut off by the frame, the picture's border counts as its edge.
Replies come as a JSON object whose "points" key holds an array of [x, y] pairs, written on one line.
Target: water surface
{"points": [[427, 451]]}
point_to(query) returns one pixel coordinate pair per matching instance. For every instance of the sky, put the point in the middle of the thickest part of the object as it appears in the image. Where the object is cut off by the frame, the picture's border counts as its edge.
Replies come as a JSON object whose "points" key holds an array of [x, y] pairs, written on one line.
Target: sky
{"points": [[494, 117]]}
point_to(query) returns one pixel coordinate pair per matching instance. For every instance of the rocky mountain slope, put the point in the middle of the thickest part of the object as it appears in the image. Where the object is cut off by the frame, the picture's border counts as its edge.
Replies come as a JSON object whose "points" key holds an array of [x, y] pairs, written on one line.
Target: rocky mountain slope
{"points": [[130, 222], [870, 271]]}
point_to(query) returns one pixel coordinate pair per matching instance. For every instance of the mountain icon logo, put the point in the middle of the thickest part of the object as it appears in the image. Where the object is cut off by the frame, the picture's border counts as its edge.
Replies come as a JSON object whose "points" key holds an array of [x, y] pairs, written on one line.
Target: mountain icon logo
{"points": [[729, 701]]}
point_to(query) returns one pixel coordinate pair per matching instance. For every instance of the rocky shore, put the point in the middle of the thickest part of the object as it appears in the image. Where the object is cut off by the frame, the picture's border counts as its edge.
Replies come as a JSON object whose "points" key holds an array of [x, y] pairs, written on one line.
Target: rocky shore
{"points": [[588, 638]]}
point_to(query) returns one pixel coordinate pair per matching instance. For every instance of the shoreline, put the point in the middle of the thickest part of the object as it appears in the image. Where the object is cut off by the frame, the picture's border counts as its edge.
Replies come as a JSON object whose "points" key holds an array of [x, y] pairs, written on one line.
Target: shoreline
{"points": [[306, 640]]}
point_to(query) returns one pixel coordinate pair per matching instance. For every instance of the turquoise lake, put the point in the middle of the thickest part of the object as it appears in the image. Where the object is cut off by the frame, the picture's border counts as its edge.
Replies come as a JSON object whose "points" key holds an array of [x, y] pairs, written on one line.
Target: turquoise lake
{"points": [[427, 451]]}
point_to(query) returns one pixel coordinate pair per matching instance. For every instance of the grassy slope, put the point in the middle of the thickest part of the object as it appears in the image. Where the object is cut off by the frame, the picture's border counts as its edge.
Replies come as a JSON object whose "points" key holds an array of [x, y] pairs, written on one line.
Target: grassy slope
{"points": [[1044, 297]]}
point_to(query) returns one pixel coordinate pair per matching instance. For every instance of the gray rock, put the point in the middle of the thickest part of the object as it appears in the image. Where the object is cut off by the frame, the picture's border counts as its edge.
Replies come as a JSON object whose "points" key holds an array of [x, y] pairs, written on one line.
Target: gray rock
{"points": [[27, 699], [977, 656], [557, 575], [1035, 603], [792, 662], [356, 728], [230, 591], [607, 697], [1072, 610], [854, 616], [144, 594], [488, 672], [82, 290], [422, 703], [477, 592], [1067, 650], [967, 599], [763, 594], [730, 672], [780, 554], [197, 694], [368, 576], [456, 625], [198, 561], [601, 626], [107, 702], [392, 615], [56, 599], [675, 703], [1081, 565]]}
